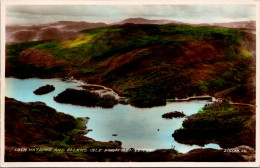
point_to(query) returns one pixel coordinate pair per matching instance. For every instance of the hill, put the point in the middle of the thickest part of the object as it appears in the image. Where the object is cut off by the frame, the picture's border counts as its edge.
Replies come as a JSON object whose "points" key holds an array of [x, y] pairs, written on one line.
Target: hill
{"points": [[147, 21], [245, 25], [37, 126], [53, 31], [147, 63], [65, 29]]}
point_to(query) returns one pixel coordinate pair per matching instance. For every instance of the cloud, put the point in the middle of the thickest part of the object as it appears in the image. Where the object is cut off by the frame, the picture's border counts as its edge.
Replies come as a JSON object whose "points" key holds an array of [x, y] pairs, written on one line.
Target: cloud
{"points": [[28, 14]]}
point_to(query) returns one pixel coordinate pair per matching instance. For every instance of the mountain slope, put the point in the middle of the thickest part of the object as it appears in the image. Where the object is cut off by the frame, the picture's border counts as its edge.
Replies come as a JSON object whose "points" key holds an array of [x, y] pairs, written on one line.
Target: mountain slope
{"points": [[53, 31], [145, 63], [65, 29]]}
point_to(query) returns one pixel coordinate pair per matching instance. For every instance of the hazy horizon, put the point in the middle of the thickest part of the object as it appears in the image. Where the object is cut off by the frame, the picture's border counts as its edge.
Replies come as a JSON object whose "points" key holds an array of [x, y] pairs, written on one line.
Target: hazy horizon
{"points": [[44, 14]]}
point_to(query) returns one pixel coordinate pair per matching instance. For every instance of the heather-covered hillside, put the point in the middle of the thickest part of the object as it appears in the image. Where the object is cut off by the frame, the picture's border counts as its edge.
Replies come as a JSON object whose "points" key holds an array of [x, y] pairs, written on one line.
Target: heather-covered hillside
{"points": [[146, 63]]}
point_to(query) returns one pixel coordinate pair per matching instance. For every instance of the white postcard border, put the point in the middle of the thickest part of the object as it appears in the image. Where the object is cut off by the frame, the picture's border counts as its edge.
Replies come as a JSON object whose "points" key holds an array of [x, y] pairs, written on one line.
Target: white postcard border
{"points": [[4, 3]]}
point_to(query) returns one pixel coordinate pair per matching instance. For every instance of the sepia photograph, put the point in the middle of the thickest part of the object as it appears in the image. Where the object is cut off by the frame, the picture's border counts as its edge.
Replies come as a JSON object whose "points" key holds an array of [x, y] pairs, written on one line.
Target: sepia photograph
{"points": [[129, 83]]}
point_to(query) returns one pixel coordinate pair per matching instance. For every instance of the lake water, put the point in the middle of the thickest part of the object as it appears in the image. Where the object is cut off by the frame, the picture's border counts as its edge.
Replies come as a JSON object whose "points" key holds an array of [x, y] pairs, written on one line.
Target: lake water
{"points": [[135, 127]]}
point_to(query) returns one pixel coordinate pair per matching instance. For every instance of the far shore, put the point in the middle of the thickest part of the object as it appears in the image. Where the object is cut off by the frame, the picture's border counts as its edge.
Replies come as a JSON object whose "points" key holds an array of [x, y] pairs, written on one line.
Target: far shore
{"points": [[207, 97]]}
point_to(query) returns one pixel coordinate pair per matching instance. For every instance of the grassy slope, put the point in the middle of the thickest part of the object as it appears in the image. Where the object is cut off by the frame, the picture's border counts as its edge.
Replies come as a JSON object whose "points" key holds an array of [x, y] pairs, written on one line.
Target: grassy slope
{"points": [[146, 63]]}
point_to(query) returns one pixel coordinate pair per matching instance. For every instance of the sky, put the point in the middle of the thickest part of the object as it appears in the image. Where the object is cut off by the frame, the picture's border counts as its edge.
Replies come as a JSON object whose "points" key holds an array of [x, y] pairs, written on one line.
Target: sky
{"points": [[41, 14]]}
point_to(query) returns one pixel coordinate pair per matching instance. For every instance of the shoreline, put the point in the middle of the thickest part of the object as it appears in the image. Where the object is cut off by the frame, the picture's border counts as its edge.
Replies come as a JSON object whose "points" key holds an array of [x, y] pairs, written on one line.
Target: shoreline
{"points": [[207, 97], [234, 131], [89, 139], [117, 95], [122, 99], [203, 97]]}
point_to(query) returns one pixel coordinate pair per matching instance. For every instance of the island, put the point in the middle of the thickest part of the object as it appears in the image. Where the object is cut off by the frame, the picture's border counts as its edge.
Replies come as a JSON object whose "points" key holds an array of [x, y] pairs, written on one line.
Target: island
{"points": [[44, 89], [175, 114], [85, 98]]}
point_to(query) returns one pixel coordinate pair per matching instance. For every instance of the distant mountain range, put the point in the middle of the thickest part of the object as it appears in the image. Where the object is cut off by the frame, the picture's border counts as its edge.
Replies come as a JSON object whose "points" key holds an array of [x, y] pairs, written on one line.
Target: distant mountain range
{"points": [[147, 21], [240, 25], [245, 25], [66, 29], [53, 31]]}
